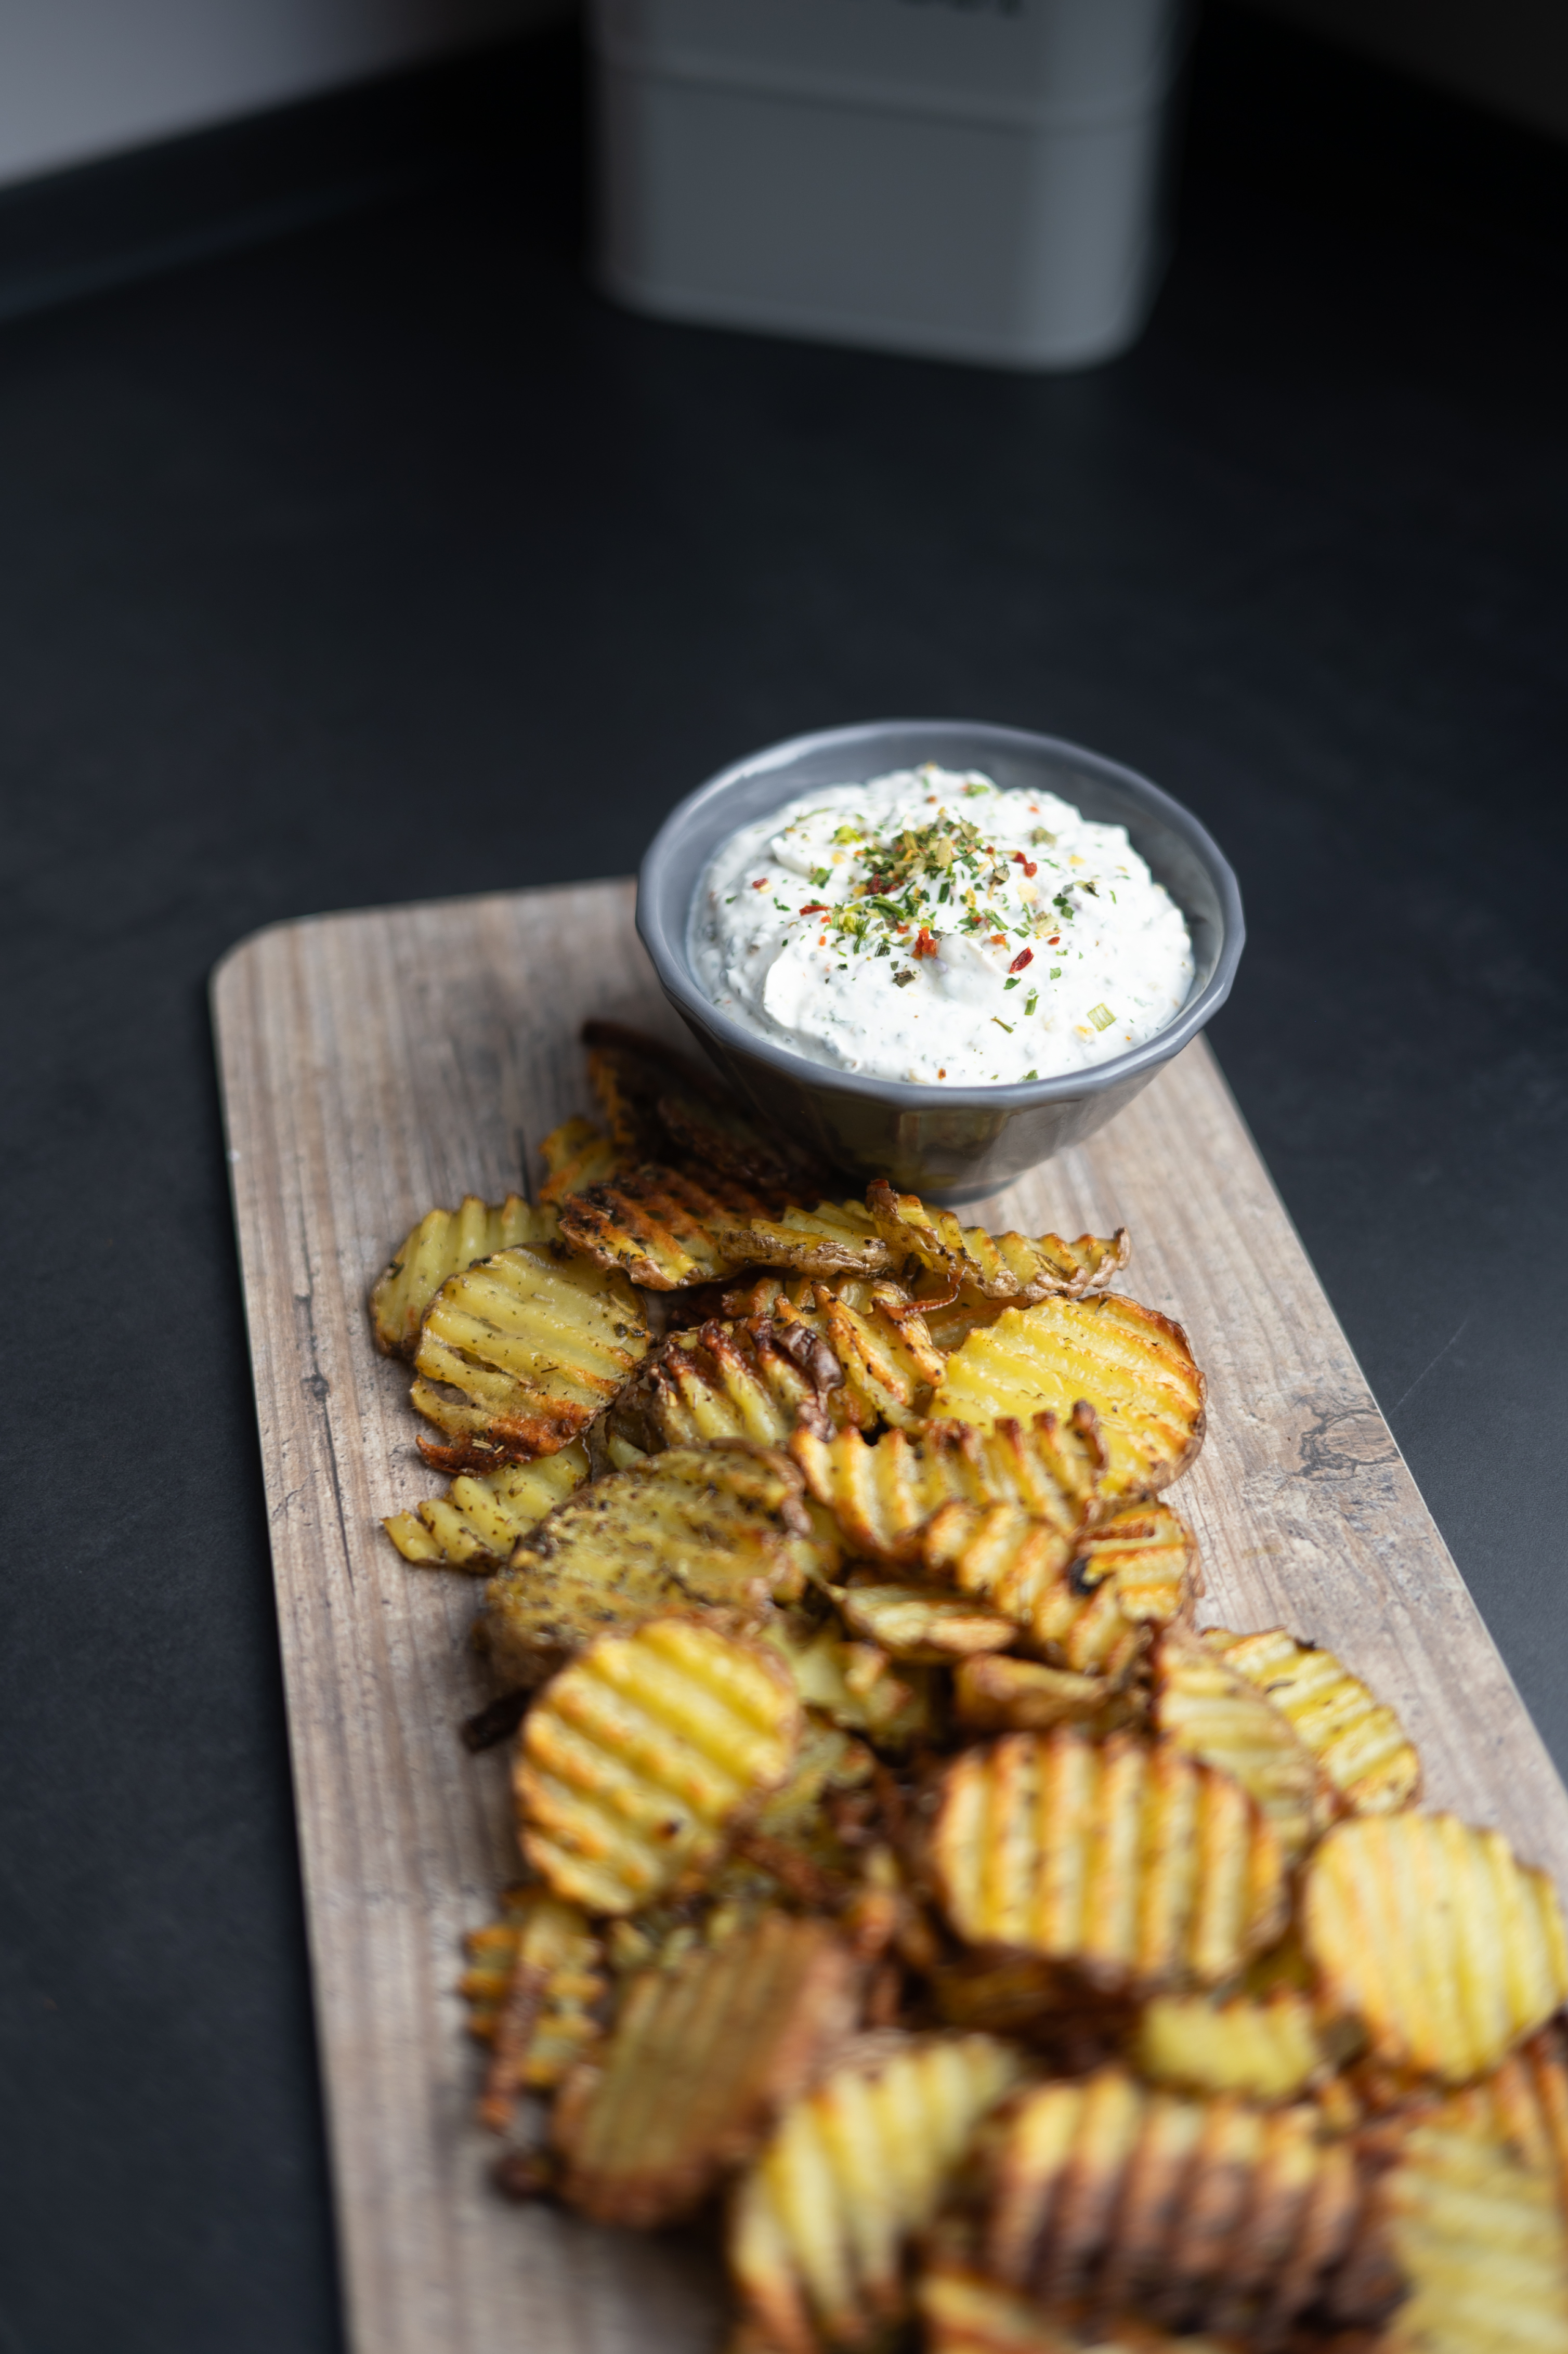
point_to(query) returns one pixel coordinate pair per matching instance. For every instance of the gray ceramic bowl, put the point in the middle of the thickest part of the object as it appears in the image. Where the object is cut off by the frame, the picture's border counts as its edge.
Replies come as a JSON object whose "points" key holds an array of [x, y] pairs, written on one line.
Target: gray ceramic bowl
{"points": [[954, 1142]]}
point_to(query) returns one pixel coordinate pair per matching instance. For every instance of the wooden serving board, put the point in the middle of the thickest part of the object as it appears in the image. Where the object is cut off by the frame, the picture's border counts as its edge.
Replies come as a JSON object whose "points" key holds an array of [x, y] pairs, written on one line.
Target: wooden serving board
{"points": [[375, 1063]]}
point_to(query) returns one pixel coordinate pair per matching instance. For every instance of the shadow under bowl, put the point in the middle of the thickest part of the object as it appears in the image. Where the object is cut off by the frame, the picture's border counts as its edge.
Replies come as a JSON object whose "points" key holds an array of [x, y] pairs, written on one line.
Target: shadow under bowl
{"points": [[956, 1143]]}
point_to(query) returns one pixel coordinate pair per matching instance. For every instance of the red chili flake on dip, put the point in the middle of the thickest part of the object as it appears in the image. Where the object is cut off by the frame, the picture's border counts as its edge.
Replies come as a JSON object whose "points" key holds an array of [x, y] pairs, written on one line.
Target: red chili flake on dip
{"points": [[1024, 956], [1029, 865], [925, 944]]}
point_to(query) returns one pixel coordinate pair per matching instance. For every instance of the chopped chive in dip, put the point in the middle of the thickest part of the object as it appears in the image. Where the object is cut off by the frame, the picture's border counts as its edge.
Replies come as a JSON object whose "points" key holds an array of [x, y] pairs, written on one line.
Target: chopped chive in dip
{"points": [[924, 891]]}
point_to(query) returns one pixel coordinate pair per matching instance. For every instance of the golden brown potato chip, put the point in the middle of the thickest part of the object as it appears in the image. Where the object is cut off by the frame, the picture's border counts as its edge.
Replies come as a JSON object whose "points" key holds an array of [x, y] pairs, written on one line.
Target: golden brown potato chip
{"points": [[576, 1155], [693, 1528], [1211, 1711], [479, 1520], [1131, 1364], [1127, 1861], [728, 1381], [628, 1072], [964, 2313], [921, 1622], [659, 1227], [715, 1135], [1152, 1556], [443, 1242], [833, 1239], [1025, 1696], [1480, 2240], [998, 1267], [1028, 1571], [1265, 2050], [534, 1345], [888, 1362], [820, 2225], [853, 1684], [534, 1986], [1524, 2104], [703, 2057], [1447, 1948], [1359, 1742], [1209, 2215], [883, 1492], [637, 1757]]}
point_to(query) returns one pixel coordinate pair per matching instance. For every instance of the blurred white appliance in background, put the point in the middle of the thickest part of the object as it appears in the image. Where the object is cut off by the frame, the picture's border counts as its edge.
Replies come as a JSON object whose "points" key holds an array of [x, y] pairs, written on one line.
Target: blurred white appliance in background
{"points": [[972, 179]]}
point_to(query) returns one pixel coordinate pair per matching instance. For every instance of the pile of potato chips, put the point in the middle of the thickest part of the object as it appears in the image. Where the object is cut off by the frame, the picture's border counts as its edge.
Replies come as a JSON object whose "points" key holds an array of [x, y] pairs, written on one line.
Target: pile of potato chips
{"points": [[1007, 1966]]}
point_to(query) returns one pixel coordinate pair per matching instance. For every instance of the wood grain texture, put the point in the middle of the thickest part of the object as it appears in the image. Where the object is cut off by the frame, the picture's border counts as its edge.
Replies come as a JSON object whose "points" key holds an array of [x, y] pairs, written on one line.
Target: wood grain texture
{"points": [[374, 1064]]}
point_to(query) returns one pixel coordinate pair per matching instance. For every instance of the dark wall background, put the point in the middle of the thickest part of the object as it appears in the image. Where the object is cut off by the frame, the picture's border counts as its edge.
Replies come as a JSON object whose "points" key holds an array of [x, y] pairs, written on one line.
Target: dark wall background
{"points": [[382, 559]]}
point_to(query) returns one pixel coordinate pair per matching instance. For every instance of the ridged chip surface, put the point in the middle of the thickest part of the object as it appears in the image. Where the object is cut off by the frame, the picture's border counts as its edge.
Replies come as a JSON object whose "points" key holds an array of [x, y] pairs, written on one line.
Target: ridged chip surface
{"points": [[657, 1226], [1211, 1711], [1480, 2240], [576, 1155], [882, 1492], [702, 2058], [1201, 2215], [962, 2312], [998, 1267], [1357, 1739], [1124, 1861], [1447, 1949], [476, 1523], [535, 1345], [1133, 1366], [920, 1623], [832, 1238], [690, 1529], [1030, 1571], [992, 1695], [638, 1755], [749, 1380], [443, 1242], [533, 1986], [821, 2226]]}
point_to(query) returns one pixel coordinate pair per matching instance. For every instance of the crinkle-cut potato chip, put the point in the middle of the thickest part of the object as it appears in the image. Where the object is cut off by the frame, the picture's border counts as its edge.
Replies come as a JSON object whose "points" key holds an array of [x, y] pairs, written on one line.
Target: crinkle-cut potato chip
{"points": [[1524, 2104], [991, 1695], [728, 1381], [443, 1242], [1133, 1366], [701, 2059], [854, 1685], [998, 1267], [882, 1492], [535, 1345], [1151, 1555], [696, 1527], [1436, 1937], [576, 1155], [640, 1753], [657, 1226], [836, 1237], [1024, 1569], [1201, 2215], [962, 2312], [921, 1622], [1211, 1711], [533, 1985], [628, 1072], [1357, 1740], [479, 1520], [1135, 1867], [716, 1135], [820, 2225], [1480, 2240], [888, 1362], [1264, 2049]]}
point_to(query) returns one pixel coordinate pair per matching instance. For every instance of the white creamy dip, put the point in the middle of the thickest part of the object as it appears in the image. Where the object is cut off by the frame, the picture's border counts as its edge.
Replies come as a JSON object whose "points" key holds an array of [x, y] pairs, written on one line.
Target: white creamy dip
{"points": [[932, 927]]}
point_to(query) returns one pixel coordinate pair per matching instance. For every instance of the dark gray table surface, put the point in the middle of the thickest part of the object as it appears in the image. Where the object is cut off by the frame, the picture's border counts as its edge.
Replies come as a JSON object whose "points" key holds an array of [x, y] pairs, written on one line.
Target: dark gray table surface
{"points": [[384, 560]]}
